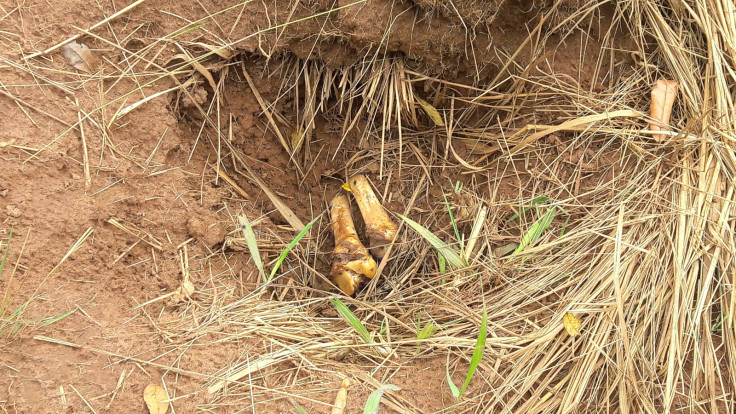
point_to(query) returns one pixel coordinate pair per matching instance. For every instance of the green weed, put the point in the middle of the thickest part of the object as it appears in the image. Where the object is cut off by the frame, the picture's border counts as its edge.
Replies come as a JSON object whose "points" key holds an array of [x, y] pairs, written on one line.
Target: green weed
{"points": [[480, 346], [451, 256], [250, 240], [291, 245], [541, 225], [374, 400], [13, 322], [353, 320], [426, 332]]}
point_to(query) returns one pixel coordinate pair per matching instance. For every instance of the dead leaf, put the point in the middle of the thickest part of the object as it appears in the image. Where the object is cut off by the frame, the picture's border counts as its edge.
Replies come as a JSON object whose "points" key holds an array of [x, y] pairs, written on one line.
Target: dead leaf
{"points": [[80, 56], [346, 187], [206, 73], [197, 66], [572, 324], [431, 111], [153, 395]]}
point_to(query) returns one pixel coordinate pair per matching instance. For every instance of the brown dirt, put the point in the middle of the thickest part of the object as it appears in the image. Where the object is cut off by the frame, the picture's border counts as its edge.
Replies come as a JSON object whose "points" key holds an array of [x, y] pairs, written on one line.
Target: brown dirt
{"points": [[152, 173]]}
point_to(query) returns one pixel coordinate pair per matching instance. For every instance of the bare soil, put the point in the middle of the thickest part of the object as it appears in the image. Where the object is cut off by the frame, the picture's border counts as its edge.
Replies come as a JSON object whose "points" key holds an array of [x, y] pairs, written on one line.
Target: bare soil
{"points": [[154, 174]]}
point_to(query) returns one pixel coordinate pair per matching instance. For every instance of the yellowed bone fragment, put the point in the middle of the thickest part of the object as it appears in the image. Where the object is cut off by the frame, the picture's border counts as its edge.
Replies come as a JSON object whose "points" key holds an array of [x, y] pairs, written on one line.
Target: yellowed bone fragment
{"points": [[341, 400], [352, 263], [663, 98], [381, 230]]}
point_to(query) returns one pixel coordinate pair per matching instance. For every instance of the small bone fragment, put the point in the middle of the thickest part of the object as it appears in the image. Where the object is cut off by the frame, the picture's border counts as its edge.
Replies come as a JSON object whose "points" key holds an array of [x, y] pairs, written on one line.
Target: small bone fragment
{"points": [[341, 400], [381, 230], [663, 98]]}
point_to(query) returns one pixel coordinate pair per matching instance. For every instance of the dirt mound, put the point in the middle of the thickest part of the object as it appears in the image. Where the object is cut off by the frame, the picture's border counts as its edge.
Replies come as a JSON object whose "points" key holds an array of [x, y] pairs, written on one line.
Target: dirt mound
{"points": [[433, 33]]}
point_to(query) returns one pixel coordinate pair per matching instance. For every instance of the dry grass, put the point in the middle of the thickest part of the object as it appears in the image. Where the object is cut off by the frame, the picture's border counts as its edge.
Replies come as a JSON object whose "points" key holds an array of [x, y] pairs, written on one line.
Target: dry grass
{"points": [[644, 264], [646, 260]]}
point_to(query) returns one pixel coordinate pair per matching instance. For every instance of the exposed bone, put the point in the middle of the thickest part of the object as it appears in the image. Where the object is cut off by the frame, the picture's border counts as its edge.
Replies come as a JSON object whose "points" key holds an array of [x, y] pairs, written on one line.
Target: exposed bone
{"points": [[352, 263], [381, 230], [663, 97], [341, 400]]}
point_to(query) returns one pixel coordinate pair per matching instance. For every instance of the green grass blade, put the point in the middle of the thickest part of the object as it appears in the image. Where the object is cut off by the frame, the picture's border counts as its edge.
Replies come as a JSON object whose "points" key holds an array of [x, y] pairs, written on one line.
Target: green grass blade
{"points": [[480, 346], [299, 409], [197, 27], [430, 328], [567, 221], [536, 230], [17, 323], [441, 262], [353, 320], [384, 326], [716, 326], [5, 255], [54, 319], [534, 203], [3, 308], [18, 311], [374, 400], [452, 257], [250, 239], [6, 300], [454, 224], [291, 246], [453, 388]]}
